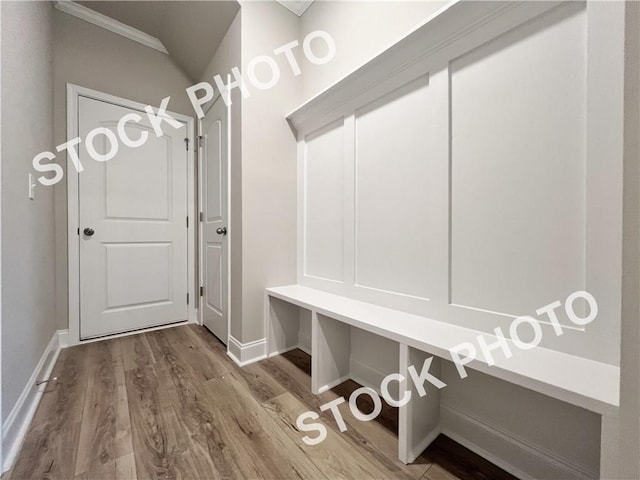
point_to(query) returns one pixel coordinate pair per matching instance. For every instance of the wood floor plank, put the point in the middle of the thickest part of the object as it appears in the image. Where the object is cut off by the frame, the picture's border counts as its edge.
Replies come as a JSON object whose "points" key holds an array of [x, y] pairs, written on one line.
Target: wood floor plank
{"points": [[135, 350], [460, 462], [171, 404], [157, 438], [209, 448], [260, 383], [256, 433], [126, 467], [122, 468], [105, 434], [335, 456], [50, 447], [378, 440], [436, 472]]}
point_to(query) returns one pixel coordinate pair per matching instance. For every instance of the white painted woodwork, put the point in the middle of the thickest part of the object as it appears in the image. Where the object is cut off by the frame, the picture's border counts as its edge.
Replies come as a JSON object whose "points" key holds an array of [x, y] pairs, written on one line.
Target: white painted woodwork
{"points": [[479, 180], [393, 194], [518, 170], [133, 270], [579, 381], [283, 326], [214, 149], [330, 352], [324, 208], [419, 419]]}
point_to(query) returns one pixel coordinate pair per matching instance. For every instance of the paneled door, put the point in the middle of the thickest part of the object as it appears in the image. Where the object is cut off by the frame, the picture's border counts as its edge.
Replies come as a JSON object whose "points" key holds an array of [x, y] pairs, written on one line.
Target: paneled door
{"points": [[132, 224], [214, 151]]}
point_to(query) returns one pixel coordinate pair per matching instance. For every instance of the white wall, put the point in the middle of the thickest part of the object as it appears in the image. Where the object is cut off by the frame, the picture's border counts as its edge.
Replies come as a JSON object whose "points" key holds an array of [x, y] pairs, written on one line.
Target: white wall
{"points": [[28, 294], [93, 57], [227, 56], [268, 166]]}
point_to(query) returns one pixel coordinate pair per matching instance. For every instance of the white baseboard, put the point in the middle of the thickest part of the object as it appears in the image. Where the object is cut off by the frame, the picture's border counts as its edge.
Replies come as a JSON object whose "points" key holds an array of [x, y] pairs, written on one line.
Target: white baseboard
{"points": [[416, 451], [304, 342], [246, 353], [304, 348], [63, 338], [368, 376], [511, 453], [17, 423], [335, 383]]}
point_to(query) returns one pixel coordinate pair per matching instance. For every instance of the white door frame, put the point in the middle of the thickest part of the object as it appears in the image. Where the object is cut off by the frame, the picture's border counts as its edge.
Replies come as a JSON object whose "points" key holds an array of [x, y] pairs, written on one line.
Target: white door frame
{"points": [[73, 211], [201, 209]]}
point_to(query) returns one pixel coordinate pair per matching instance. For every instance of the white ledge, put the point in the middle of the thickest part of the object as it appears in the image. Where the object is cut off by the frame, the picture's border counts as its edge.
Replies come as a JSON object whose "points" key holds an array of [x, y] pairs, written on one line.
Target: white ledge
{"points": [[457, 26]]}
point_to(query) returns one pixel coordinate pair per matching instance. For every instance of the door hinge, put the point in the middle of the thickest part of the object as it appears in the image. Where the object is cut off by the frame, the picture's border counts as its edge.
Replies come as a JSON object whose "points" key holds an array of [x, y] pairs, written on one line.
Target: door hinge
{"points": [[201, 291], [186, 142], [187, 299], [78, 230], [199, 141], [202, 216], [187, 221]]}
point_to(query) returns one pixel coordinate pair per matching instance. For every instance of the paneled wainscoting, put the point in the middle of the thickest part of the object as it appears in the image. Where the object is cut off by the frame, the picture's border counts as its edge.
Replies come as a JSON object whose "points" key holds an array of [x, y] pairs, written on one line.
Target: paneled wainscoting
{"points": [[171, 404]]}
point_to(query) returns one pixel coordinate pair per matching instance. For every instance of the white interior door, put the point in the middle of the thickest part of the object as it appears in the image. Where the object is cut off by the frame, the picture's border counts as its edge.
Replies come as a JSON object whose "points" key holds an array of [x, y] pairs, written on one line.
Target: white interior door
{"points": [[133, 268], [214, 151]]}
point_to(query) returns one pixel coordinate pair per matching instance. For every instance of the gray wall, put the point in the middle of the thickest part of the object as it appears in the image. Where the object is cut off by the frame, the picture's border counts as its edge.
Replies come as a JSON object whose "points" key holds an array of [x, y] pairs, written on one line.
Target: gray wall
{"points": [[93, 57], [361, 31], [268, 166], [629, 464], [28, 301]]}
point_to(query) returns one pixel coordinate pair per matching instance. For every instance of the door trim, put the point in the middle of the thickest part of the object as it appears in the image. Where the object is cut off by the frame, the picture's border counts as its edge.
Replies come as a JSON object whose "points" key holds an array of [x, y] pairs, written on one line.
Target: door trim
{"points": [[73, 210], [201, 209]]}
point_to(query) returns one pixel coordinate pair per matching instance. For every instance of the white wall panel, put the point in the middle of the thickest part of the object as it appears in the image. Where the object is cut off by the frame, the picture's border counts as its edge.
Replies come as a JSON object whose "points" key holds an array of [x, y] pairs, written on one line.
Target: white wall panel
{"points": [[518, 168], [480, 180], [324, 204], [393, 170]]}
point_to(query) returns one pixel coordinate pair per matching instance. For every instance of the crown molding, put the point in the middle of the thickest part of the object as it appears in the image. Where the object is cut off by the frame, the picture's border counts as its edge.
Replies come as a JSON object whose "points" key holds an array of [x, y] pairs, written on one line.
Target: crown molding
{"points": [[108, 23], [296, 6]]}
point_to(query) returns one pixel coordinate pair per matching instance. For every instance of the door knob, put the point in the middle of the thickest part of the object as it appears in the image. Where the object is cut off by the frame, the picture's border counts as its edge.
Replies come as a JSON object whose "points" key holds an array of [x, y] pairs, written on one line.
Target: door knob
{"points": [[88, 231], [221, 231]]}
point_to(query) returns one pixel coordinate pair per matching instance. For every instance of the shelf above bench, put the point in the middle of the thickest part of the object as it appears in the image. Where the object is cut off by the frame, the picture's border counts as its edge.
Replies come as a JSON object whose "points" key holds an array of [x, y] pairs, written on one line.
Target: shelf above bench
{"points": [[579, 381]]}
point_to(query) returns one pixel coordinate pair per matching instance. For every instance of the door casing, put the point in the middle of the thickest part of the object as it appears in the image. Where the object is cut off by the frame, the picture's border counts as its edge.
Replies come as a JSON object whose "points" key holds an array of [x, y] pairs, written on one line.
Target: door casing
{"points": [[73, 211]]}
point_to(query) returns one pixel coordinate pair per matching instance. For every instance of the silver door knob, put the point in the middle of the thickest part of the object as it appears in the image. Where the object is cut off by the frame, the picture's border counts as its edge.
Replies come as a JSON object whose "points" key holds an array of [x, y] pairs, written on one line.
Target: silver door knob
{"points": [[221, 230]]}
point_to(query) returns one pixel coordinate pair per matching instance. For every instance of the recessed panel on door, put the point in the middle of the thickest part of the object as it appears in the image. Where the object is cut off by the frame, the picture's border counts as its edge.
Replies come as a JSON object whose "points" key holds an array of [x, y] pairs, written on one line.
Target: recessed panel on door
{"points": [[125, 197]]}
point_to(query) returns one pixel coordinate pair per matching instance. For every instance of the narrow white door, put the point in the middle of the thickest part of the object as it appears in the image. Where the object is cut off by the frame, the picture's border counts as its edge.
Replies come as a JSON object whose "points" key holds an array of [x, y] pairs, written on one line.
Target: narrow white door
{"points": [[214, 151], [133, 225]]}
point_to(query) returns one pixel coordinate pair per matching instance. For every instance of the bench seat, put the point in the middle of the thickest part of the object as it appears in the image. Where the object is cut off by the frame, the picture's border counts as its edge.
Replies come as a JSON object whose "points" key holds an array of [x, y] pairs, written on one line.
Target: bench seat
{"points": [[579, 381]]}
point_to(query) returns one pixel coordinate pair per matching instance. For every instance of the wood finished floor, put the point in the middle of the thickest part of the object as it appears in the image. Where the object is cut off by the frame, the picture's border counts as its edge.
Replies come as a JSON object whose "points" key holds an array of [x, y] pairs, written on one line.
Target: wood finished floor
{"points": [[170, 404]]}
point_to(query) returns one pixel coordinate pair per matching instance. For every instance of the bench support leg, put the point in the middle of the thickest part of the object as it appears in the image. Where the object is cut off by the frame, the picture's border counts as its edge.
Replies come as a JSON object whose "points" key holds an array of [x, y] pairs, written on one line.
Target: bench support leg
{"points": [[419, 419], [609, 447], [330, 352], [283, 323]]}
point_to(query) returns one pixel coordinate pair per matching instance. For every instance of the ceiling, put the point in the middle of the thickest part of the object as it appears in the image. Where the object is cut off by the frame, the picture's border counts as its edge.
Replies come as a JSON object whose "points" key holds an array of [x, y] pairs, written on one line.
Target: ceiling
{"points": [[190, 30]]}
